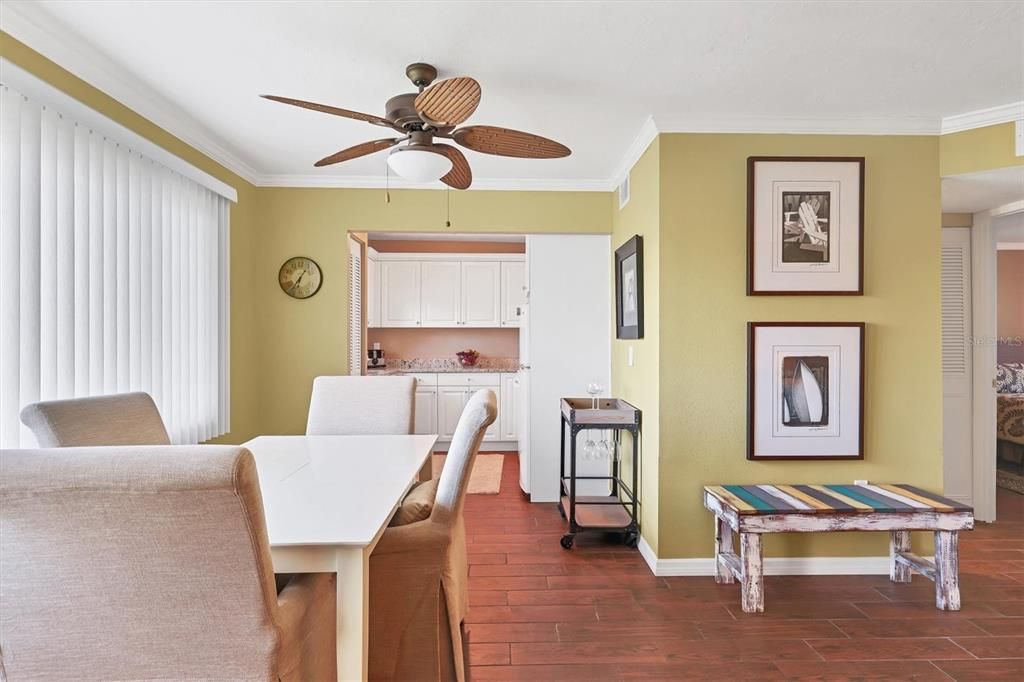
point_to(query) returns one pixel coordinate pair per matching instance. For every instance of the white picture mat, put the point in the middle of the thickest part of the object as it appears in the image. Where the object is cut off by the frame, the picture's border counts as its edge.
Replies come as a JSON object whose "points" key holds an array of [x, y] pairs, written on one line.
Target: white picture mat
{"points": [[844, 391], [844, 227], [834, 355]]}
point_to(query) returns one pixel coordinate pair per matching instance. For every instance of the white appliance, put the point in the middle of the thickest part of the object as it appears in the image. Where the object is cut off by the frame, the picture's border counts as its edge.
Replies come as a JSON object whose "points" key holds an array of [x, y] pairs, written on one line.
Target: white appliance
{"points": [[565, 345]]}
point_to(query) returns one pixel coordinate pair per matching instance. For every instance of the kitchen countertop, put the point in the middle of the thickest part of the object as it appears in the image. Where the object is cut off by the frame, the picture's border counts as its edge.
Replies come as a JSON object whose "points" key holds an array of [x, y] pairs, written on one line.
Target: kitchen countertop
{"points": [[389, 371]]}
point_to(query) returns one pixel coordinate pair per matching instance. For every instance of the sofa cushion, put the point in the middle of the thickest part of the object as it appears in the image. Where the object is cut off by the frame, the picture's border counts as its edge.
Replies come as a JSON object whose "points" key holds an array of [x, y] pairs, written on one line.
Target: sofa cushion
{"points": [[417, 505]]}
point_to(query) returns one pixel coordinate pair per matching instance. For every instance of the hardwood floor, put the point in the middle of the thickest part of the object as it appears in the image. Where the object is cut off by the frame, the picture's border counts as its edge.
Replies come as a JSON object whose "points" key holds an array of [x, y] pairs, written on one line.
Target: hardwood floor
{"points": [[540, 613]]}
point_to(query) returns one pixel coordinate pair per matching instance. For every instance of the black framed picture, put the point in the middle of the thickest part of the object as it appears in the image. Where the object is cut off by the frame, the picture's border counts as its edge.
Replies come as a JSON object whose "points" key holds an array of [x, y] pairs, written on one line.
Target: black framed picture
{"points": [[805, 390], [629, 289], [805, 225]]}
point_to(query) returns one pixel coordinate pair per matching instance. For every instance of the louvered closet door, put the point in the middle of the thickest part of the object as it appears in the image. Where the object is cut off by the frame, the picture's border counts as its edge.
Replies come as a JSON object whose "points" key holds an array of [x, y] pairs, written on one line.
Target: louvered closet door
{"points": [[956, 363], [355, 307]]}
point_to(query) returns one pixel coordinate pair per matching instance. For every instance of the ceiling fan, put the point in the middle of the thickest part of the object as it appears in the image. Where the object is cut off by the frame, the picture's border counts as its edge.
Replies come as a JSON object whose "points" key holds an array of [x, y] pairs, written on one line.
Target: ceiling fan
{"points": [[435, 111]]}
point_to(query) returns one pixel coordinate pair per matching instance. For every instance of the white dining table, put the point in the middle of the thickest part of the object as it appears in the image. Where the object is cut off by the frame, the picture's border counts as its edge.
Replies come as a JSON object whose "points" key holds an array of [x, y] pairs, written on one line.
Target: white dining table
{"points": [[327, 500]]}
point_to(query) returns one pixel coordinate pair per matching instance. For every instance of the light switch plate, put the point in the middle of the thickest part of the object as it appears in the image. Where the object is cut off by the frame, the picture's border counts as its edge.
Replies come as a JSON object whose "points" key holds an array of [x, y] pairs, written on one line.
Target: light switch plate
{"points": [[629, 356], [860, 482]]}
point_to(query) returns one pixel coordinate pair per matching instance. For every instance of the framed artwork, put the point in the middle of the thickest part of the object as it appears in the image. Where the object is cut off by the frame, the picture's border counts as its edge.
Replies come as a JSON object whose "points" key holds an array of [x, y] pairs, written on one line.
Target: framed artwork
{"points": [[805, 390], [629, 289], [805, 225]]}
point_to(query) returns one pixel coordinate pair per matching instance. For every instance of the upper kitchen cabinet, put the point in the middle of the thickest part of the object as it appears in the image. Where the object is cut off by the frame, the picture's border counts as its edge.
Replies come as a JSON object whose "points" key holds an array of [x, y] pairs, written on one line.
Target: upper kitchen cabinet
{"points": [[445, 290], [441, 293], [481, 294], [400, 293], [372, 292], [513, 292]]}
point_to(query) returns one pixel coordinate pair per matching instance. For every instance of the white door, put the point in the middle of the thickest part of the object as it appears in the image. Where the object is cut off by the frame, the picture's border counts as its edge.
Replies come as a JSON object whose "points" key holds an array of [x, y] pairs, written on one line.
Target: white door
{"points": [[426, 410], [513, 292], [957, 411], [481, 293], [450, 401], [569, 346], [509, 404], [400, 293], [439, 293], [372, 292]]}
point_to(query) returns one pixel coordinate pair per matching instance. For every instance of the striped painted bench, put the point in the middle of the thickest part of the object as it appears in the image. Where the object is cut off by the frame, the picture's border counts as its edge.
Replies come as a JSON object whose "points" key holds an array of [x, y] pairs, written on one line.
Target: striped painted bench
{"points": [[752, 510]]}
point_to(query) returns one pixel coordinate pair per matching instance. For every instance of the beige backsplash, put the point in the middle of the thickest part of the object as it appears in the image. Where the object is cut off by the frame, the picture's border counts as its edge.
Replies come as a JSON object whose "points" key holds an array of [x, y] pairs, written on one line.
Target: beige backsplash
{"points": [[444, 343]]}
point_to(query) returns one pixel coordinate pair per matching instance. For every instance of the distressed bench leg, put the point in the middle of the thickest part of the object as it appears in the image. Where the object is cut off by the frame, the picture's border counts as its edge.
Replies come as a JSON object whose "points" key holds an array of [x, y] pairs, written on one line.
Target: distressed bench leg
{"points": [[899, 541], [752, 587], [947, 570], [723, 545]]}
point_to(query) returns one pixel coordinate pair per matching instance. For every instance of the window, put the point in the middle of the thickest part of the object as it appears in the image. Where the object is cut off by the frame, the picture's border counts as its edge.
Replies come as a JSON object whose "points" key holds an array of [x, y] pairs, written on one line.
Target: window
{"points": [[113, 267]]}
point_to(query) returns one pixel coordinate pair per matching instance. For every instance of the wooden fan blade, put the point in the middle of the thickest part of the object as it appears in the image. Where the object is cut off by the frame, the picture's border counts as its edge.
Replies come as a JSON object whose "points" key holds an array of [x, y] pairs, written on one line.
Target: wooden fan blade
{"points": [[508, 142], [449, 102], [357, 151], [460, 176], [327, 109]]}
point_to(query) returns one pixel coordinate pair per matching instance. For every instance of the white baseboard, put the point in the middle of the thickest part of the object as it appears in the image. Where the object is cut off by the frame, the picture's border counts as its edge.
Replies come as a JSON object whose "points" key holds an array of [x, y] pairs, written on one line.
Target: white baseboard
{"points": [[825, 565]]}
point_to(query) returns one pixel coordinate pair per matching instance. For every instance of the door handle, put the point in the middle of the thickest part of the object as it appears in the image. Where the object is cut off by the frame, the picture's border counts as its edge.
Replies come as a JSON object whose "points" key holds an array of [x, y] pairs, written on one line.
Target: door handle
{"points": [[522, 366]]}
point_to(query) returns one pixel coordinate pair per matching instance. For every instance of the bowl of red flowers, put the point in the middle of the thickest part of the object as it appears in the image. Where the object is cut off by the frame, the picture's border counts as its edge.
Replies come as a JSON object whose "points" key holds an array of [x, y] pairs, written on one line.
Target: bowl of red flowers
{"points": [[468, 358]]}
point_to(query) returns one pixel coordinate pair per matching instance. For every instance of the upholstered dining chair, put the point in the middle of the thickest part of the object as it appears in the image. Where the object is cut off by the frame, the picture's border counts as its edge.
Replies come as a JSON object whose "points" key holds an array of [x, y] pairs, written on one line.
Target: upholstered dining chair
{"points": [[119, 419], [131, 563], [418, 586], [358, 405]]}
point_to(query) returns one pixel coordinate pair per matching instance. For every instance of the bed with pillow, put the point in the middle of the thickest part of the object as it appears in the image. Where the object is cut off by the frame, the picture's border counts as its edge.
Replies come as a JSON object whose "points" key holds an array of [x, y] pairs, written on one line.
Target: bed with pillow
{"points": [[1010, 411]]}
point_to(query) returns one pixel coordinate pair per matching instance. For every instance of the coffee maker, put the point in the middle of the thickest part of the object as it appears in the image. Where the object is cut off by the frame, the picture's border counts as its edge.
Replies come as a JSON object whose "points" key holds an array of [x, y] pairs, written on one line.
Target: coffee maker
{"points": [[375, 357]]}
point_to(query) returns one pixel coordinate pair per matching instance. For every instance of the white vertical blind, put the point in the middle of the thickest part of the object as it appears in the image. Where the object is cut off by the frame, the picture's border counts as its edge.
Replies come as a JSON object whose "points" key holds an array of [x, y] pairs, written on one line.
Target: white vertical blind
{"points": [[113, 275], [355, 307]]}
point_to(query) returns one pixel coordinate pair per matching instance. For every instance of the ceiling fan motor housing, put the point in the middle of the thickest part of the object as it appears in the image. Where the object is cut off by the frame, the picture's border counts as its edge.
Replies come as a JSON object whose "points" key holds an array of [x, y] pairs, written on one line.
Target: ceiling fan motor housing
{"points": [[401, 111]]}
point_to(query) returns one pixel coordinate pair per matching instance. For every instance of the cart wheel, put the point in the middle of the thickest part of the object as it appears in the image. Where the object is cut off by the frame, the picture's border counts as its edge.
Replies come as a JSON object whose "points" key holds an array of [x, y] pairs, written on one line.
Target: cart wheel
{"points": [[632, 539], [567, 541]]}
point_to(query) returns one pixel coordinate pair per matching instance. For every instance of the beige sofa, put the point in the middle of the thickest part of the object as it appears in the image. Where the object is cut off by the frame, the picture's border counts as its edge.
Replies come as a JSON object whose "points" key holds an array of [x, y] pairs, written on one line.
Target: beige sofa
{"points": [[149, 562]]}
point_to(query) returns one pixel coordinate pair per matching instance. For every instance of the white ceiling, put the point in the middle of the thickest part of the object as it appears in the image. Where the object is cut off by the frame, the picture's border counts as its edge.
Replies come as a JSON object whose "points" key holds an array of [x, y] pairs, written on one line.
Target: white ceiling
{"points": [[588, 74], [976, 192]]}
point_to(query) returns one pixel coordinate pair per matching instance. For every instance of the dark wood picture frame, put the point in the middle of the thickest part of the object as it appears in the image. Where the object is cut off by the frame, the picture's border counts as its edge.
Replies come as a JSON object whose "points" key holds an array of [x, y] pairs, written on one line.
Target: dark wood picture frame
{"points": [[752, 162], [634, 245], [752, 328]]}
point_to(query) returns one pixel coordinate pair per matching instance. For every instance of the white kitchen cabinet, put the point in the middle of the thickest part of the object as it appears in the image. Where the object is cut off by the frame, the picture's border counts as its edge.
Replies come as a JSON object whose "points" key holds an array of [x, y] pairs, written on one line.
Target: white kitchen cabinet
{"points": [[513, 292], [450, 401], [481, 293], [400, 293], [440, 288], [508, 415], [372, 292], [426, 409]]}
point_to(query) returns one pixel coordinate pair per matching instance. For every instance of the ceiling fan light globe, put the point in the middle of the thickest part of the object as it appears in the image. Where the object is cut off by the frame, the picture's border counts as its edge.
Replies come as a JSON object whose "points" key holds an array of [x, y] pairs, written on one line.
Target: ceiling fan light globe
{"points": [[419, 165]]}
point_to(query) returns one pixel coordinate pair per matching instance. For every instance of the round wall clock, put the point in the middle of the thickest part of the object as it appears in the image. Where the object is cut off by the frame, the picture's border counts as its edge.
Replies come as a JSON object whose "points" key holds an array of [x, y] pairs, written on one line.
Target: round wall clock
{"points": [[300, 277]]}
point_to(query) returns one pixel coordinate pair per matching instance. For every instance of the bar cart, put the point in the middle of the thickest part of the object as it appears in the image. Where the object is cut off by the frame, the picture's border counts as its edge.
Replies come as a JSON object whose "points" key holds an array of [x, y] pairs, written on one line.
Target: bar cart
{"points": [[616, 512]]}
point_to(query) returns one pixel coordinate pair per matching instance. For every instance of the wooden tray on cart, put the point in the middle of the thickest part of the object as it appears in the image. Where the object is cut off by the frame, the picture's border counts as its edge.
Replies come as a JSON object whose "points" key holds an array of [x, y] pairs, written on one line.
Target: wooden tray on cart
{"points": [[609, 411]]}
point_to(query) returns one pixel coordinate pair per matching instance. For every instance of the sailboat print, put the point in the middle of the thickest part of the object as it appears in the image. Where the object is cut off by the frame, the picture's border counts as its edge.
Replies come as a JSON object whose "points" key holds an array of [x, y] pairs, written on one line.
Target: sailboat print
{"points": [[805, 391]]}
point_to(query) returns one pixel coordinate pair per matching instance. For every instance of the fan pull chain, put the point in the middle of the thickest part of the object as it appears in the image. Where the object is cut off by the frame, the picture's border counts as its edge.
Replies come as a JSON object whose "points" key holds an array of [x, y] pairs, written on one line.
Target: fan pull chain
{"points": [[387, 183], [448, 199]]}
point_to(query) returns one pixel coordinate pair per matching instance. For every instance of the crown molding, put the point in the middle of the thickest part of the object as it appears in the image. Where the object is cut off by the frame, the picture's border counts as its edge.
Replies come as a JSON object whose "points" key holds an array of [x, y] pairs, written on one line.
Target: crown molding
{"points": [[983, 118], [32, 26], [381, 182], [769, 125], [647, 134]]}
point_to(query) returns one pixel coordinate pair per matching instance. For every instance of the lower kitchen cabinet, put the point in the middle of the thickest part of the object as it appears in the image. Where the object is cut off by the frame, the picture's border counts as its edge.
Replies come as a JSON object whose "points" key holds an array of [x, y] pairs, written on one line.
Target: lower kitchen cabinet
{"points": [[426, 410], [439, 408]]}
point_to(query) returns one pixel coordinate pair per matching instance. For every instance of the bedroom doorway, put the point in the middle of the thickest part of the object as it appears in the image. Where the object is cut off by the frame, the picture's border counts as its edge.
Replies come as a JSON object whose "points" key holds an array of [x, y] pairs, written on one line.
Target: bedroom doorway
{"points": [[981, 211], [1010, 354]]}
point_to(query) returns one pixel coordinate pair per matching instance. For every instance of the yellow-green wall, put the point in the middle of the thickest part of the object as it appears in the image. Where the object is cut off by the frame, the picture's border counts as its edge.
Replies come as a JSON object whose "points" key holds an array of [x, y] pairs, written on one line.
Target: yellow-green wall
{"points": [[640, 383], [300, 339], [704, 311], [245, 387], [978, 150]]}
